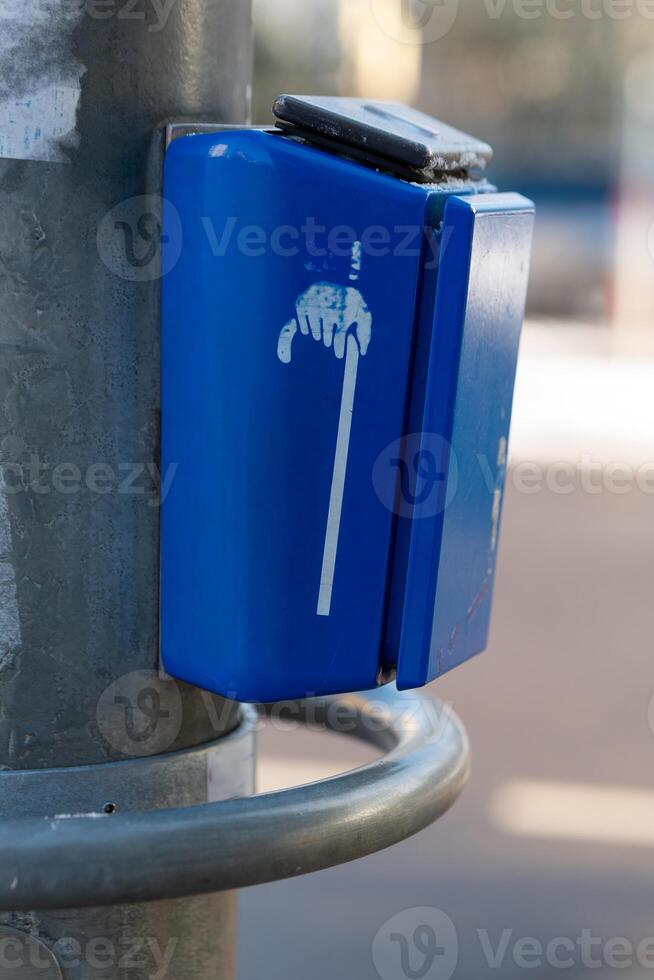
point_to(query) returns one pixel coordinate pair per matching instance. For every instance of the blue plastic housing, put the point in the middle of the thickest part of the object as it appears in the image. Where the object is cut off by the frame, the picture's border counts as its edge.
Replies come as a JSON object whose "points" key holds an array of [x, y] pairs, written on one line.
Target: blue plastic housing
{"points": [[338, 348]]}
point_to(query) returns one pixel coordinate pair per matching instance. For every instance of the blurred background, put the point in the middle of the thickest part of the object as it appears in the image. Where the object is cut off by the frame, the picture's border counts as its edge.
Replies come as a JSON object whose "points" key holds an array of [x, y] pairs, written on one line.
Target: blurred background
{"points": [[554, 837]]}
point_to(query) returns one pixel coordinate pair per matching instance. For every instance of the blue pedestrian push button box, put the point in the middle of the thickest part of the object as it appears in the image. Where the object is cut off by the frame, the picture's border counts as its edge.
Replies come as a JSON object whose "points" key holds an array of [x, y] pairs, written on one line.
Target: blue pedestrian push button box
{"points": [[342, 308]]}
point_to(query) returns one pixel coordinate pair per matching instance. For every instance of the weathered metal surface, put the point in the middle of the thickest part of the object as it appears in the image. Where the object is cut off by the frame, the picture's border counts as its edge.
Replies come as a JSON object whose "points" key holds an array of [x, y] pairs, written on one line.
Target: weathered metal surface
{"points": [[185, 938], [83, 86], [218, 770], [157, 941], [79, 334]]}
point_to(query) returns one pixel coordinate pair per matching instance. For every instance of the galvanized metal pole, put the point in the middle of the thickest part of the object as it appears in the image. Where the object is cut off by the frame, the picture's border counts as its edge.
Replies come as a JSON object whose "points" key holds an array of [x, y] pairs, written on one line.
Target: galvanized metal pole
{"points": [[83, 87]]}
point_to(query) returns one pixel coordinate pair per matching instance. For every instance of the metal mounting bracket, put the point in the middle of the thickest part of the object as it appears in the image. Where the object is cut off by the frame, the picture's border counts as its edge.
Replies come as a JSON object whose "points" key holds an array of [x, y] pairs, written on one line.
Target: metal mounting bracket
{"points": [[98, 859]]}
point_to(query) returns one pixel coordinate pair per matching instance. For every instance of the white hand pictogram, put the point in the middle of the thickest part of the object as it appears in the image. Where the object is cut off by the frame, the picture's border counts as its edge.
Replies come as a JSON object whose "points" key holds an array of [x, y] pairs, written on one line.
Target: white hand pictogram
{"points": [[328, 313], [337, 316]]}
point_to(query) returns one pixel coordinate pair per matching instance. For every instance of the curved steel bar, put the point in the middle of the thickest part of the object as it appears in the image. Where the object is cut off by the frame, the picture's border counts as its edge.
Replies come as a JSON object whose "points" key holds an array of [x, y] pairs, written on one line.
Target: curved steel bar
{"points": [[143, 856]]}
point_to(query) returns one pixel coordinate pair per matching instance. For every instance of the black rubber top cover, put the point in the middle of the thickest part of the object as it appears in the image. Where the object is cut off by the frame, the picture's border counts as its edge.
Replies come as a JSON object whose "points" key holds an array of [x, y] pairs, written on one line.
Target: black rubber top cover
{"points": [[388, 131]]}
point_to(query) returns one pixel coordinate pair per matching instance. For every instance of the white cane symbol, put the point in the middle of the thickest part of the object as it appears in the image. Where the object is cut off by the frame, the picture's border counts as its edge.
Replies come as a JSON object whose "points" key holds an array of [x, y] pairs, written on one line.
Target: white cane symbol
{"points": [[339, 316]]}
